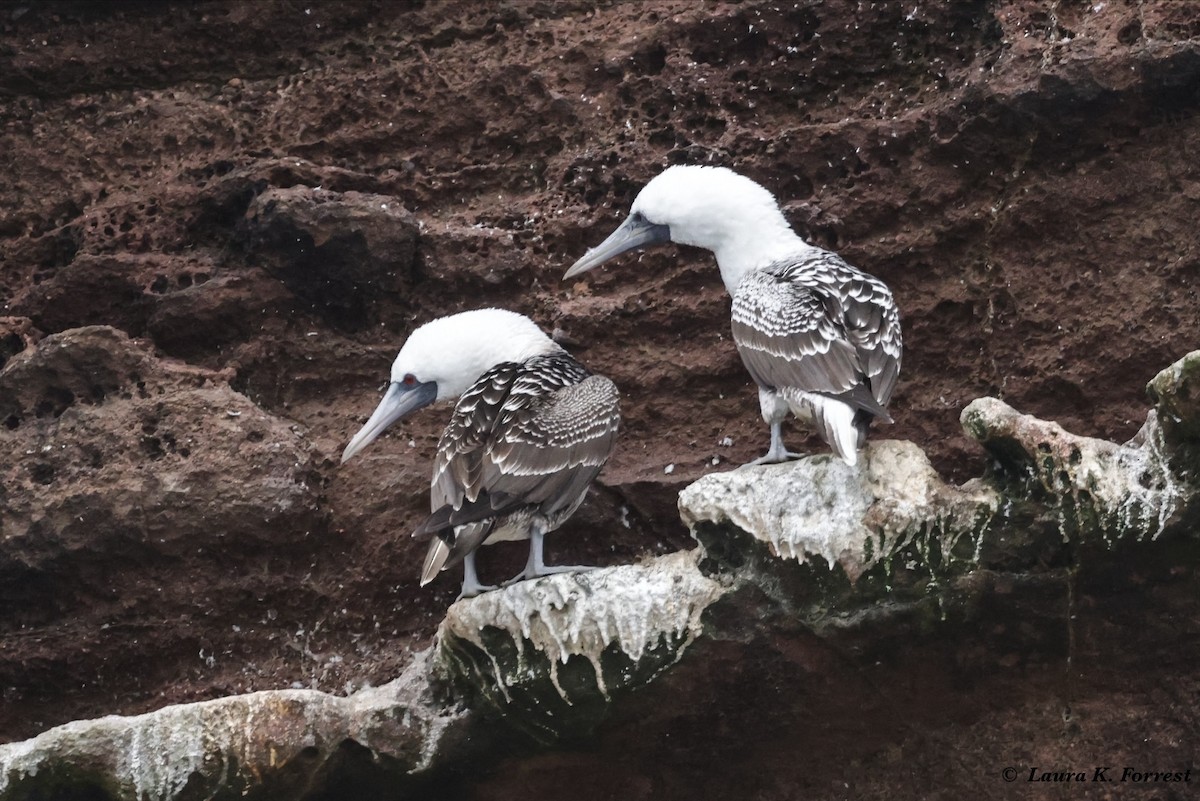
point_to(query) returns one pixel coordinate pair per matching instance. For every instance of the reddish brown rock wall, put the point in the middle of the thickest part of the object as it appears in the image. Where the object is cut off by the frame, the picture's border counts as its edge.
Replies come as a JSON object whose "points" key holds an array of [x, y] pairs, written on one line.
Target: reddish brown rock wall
{"points": [[208, 178]]}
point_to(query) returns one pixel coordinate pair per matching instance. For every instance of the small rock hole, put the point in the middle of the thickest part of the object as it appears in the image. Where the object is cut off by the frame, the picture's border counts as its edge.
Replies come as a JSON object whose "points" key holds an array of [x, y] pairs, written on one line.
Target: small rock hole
{"points": [[153, 447], [57, 401], [1130, 34], [42, 473], [10, 345]]}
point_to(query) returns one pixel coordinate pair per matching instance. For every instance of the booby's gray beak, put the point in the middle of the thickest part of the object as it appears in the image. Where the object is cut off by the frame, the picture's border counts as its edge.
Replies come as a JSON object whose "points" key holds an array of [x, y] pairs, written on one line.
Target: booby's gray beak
{"points": [[398, 402], [635, 232]]}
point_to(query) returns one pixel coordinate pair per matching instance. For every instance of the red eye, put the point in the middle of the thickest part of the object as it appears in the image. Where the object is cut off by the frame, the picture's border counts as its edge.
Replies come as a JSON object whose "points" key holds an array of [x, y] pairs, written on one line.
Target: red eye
{"points": [[409, 380]]}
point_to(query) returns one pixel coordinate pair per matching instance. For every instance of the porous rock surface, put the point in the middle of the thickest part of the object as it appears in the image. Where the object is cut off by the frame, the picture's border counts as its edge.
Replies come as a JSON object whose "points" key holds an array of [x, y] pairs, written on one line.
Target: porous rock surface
{"points": [[125, 461], [1016, 170]]}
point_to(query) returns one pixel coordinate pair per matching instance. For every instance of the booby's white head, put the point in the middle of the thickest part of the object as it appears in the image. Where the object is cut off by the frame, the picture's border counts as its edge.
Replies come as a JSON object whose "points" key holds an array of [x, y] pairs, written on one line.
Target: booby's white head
{"points": [[710, 207], [444, 357]]}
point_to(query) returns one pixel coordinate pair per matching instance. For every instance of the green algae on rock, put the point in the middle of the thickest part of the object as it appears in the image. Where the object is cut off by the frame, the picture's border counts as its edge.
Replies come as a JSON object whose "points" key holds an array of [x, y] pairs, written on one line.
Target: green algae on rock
{"points": [[1091, 488]]}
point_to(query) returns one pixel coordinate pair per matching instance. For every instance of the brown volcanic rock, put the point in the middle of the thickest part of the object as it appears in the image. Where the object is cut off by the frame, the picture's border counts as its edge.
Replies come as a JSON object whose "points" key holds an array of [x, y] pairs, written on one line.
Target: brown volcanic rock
{"points": [[797, 561], [1019, 172], [344, 254], [120, 452], [121, 459], [130, 479]]}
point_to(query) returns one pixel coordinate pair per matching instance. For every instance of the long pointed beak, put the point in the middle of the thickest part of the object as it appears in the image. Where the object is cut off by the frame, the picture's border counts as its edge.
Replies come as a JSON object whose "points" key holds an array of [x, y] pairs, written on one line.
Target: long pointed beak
{"points": [[635, 232], [398, 402]]}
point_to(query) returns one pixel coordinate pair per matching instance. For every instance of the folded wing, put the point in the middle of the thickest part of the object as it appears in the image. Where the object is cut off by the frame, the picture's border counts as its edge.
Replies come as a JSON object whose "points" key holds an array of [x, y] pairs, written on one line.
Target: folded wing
{"points": [[526, 437], [820, 327]]}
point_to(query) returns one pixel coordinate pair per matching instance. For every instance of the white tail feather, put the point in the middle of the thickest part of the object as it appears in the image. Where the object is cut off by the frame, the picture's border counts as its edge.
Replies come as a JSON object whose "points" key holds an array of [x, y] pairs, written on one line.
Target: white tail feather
{"points": [[834, 421]]}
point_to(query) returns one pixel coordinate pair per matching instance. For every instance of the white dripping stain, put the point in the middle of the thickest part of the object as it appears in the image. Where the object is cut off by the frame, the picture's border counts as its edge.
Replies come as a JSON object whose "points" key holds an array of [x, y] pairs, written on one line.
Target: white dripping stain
{"points": [[980, 531], [1128, 489], [156, 755], [1133, 486], [1096, 489], [1151, 489], [635, 607], [217, 744]]}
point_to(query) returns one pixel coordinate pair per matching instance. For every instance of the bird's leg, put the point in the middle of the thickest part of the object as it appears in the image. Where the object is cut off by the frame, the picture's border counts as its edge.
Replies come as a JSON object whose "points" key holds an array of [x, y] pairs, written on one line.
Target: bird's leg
{"points": [[777, 452], [535, 567], [775, 410], [471, 586]]}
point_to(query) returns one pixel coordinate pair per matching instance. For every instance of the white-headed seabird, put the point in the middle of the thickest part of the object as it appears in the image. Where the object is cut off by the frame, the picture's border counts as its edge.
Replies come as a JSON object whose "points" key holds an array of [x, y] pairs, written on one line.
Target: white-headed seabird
{"points": [[531, 429], [820, 337]]}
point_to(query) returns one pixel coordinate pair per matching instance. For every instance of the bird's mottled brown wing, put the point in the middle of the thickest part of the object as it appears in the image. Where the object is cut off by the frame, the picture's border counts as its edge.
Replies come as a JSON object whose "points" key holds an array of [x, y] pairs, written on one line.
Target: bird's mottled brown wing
{"points": [[532, 434], [458, 465], [548, 452], [820, 327]]}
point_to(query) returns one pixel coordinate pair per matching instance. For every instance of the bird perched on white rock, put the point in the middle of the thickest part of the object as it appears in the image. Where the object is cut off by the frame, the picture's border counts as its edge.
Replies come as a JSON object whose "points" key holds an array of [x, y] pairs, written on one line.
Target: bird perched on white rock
{"points": [[820, 337], [531, 429]]}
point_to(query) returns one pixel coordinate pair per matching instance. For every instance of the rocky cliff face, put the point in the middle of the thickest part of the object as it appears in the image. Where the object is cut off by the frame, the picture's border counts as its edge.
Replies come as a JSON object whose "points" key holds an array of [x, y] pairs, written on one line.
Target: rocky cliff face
{"points": [[218, 221]]}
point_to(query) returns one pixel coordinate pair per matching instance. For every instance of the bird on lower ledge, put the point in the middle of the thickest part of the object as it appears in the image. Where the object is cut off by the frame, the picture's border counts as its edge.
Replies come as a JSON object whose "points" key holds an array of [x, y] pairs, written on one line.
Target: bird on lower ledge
{"points": [[820, 337], [530, 431]]}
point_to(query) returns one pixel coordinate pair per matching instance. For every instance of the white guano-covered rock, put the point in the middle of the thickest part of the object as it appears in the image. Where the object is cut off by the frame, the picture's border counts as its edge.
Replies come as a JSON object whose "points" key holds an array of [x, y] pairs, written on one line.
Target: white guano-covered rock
{"points": [[221, 747], [1097, 489], [647, 611], [849, 516]]}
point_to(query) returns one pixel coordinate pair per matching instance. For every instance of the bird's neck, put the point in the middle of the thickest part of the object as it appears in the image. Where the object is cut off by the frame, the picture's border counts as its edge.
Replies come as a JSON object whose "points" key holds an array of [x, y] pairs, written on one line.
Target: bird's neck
{"points": [[755, 249]]}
